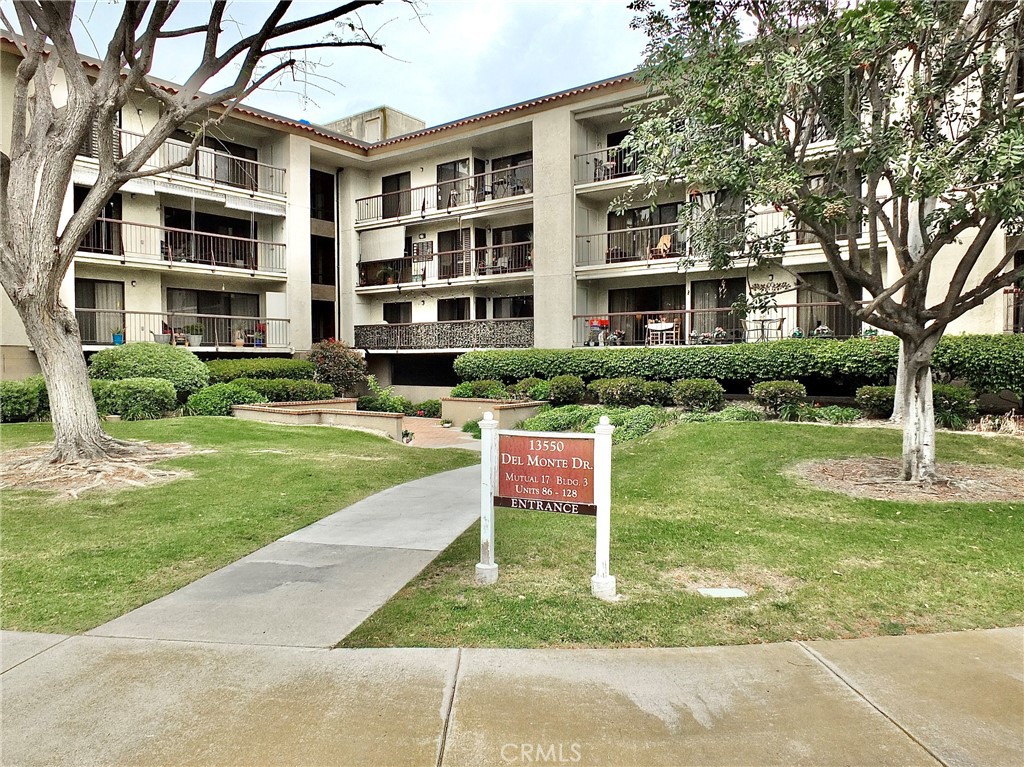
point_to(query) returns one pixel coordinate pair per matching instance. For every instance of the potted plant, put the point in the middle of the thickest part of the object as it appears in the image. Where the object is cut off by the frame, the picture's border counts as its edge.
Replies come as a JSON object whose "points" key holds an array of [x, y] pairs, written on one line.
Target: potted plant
{"points": [[446, 423], [239, 329], [407, 436], [386, 276], [194, 333], [117, 334], [257, 338]]}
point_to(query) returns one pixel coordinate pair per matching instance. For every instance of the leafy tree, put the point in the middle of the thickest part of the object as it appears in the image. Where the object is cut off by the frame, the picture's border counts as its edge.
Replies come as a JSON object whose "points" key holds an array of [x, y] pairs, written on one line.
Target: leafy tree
{"points": [[36, 249], [890, 132]]}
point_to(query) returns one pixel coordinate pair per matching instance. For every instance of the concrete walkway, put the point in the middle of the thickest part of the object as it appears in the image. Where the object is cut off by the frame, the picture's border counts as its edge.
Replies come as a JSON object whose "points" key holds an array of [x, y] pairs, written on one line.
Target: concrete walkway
{"points": [[235, 669]]}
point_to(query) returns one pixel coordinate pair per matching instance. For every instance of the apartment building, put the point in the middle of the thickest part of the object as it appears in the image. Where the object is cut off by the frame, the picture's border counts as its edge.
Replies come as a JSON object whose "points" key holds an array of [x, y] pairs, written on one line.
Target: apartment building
{"points": [[493, 231]]}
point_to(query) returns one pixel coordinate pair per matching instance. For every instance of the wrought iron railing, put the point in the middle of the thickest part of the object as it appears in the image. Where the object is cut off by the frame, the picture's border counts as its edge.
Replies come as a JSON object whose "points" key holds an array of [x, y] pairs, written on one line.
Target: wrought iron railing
{"points": [[447, 195], [473, 262], [714, 325], [643, 243], [603, 165], [208, 164], [100, 326], [460, 334], [113, 237]]}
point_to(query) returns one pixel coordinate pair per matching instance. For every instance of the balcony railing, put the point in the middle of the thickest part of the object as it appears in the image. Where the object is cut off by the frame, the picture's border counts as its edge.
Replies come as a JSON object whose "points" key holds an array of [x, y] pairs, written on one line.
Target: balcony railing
{"points": [[220, 332], [603, 165], [714, 326], [474, 262], [1014, 310], [644, 243], [209, 164], [447, 195], [460, 334], [124, 238]]}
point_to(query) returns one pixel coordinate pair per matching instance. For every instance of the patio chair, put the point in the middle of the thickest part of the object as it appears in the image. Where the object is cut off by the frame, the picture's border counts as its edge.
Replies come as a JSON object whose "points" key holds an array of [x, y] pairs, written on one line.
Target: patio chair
{"points": [[663, 248]]}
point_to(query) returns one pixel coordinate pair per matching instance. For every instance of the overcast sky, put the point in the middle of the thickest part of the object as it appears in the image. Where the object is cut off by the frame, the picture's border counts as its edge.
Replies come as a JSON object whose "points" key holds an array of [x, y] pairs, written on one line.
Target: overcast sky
{"points": [[460, 58]]}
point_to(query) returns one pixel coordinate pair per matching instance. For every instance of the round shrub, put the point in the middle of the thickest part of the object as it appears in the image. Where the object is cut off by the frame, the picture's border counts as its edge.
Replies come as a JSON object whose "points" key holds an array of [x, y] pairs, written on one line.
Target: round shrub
{"points": [[338, 364], [19, 400], [876, 401], [531, 389], [218, 399], [222, 371], [657, 393], [955, 406], [140, 399], [182, 368], [102, 393], [287, 390], [566, 390], [484, 389], [429, 408], [774, 395], [628, 391], [699, 394]]}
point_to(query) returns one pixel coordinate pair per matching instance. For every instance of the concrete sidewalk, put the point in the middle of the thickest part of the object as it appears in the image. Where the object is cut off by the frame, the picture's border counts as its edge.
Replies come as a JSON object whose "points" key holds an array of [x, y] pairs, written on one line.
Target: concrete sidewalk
{"points": [[944, 699], [311, 588]]}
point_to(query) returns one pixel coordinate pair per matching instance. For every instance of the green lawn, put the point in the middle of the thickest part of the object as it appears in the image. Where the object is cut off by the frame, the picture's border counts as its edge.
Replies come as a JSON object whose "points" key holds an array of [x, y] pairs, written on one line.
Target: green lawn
{"points": [[700, 503], [67, 566]]}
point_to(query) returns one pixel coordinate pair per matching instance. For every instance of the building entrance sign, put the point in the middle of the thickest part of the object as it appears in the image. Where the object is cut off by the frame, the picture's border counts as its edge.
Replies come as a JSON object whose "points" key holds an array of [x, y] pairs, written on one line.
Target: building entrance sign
{"points": [[551, 472]]}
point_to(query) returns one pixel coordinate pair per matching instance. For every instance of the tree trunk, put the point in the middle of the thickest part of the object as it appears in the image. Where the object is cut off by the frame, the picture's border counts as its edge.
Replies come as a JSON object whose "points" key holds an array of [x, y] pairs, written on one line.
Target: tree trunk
{"points": [[918, 410], [902, 394], [77, 432]]}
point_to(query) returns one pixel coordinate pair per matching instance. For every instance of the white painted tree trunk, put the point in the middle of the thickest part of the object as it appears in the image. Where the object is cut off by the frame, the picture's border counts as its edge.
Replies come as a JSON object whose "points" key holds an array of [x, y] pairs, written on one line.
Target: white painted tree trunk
{"points": [[918, 412], [899, 405]]}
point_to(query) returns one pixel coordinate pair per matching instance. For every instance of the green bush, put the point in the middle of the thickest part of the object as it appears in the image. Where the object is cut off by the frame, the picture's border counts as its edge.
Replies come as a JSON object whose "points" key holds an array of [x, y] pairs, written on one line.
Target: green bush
{"points": [[429, 408], [732, 413], [985, 363], [837, 414], [140, 399], [19, 400], [338, 364], [288, 390], [222, 371], [382, 400], [774, 395], [182, 368], [531, 389], [472, 427], [628, 391], [482, 389], [629, 423], [218, 399], [566, 390], [876, 401], [102, 393], [955, 406], [797, 411], [699, 394]]}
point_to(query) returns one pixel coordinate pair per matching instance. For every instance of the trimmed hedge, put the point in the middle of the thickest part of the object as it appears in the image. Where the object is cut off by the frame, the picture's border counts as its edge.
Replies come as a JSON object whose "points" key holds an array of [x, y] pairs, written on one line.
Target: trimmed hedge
{"points": [[531, 389], [138, 399], [986, 362], [876, 401], [222, 371], [699, 394], [954, 406], [566, 390], [773, 396], [19, 400], [182, 368], [485, 389], [218, 399], [629, 423], [288, 390]]}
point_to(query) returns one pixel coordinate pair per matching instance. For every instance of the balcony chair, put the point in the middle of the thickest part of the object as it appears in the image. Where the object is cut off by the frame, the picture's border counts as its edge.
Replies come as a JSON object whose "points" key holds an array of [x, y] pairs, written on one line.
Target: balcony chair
{"points": [[663, 249]]}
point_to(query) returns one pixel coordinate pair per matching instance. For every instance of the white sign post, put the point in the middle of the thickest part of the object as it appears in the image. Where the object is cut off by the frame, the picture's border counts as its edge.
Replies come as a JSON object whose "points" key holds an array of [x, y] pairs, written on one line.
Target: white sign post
{"points": [[552, 472], [486, 569]]}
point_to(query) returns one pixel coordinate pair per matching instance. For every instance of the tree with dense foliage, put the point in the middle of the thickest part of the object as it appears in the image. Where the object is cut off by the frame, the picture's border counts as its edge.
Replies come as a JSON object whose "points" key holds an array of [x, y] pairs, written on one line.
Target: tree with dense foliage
{"points": [[890, 132], [36, 248]]}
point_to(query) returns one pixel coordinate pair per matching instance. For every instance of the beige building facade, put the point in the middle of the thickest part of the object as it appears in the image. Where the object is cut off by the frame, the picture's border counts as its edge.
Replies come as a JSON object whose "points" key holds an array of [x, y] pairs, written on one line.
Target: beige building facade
{"points": [[495, 231]]}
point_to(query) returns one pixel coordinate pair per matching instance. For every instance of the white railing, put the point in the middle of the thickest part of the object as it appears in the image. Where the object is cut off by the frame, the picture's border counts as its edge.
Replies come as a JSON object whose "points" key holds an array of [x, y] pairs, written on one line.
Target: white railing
{"points": [[603, 165], [99, 327], [490, 260]]}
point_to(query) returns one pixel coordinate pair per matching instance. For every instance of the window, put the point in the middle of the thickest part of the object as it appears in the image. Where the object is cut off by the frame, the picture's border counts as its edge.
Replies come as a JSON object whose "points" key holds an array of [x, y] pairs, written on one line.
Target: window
{"points": [[99, 308], [455, 257], [398, 312], [233, 245], [322, 315], [105, 235], [321, 260], [397, 200], [512, 174], [453, 184], [449, 309], [513, 307], [321, 195], [627, 244], [481, 307]]}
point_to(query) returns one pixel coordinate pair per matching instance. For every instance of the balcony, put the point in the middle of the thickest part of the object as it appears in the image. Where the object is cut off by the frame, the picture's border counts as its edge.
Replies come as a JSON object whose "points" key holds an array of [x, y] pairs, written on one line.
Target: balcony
{"points": [[221, 168], [1014, 310], [603, 165], [461, 334], [514, 258], [218, 332], [671, 327], [622, 246], [447, 196], [124, 239]]}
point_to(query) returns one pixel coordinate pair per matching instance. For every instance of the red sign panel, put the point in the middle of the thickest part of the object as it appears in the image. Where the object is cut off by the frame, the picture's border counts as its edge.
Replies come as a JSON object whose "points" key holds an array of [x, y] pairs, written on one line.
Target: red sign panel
{"points": [[546, 474]]}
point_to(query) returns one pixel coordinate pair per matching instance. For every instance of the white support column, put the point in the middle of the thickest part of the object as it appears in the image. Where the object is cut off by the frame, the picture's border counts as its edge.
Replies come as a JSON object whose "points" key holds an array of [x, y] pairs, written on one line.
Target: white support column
{"points": [[602, 585], [487, 570]]}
